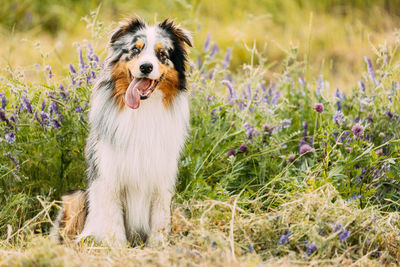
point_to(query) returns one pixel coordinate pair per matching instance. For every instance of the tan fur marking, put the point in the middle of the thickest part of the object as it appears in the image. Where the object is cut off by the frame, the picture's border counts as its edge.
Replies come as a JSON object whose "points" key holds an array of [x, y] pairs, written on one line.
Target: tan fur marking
{"points": [[74, 214], [121, 78], [159, 46], [139, 44], [168, 84]]}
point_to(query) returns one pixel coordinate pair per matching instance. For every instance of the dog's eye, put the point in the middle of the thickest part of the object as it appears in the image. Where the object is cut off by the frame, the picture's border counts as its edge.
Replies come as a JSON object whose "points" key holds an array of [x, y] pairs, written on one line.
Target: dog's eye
{"points": [[163, 55], [135, 50]]}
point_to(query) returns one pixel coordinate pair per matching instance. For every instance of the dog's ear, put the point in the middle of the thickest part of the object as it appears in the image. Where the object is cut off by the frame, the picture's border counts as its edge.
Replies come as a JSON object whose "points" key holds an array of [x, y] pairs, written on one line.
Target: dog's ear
{"points": [[180, 33], [129, 26]]}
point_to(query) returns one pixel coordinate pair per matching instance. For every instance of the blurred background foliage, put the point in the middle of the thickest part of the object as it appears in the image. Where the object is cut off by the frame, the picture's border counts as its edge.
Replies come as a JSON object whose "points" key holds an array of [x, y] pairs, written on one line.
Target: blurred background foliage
{"points": [[331, 35]]}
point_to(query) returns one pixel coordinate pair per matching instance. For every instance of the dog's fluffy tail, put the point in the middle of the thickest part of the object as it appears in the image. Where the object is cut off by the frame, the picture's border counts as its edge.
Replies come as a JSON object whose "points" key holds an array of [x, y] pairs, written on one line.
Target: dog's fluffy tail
{"points": [[71, 217]]}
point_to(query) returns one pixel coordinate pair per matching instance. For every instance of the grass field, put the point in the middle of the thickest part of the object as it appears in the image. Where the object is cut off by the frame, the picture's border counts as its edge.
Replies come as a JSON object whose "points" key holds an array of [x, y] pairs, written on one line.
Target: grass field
{"points": [[294, 147]]}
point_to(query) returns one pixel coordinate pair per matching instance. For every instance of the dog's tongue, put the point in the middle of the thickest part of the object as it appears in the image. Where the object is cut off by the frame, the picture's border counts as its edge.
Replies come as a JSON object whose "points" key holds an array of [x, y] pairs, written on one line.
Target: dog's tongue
{"points": [[132, 95]]}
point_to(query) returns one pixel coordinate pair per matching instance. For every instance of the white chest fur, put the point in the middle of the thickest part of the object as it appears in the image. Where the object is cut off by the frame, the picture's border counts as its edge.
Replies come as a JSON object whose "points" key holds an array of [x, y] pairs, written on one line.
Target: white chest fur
{"points": [[146, 142]]}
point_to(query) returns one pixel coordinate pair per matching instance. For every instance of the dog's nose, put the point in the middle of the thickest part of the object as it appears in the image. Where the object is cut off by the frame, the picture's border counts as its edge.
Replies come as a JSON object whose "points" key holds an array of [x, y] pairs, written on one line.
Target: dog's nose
{"points": [[146, 68]]}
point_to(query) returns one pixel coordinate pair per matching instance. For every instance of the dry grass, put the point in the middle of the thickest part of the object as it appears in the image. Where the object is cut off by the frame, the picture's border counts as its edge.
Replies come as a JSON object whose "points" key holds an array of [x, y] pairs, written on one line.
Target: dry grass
{"points": [[204, 234]]}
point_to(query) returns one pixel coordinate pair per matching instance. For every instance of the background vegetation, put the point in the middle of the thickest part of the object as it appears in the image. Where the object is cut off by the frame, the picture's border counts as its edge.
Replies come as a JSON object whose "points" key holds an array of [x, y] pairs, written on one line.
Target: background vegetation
{"points": [[293, 153], [331, 35]]}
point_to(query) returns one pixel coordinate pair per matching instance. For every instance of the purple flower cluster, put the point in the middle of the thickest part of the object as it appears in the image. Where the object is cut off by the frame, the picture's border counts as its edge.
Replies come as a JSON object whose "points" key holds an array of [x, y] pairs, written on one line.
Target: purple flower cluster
{"points": [[10, 137], [4, 100], [338, 117], [87, 71], [311, 248], [370, 69], [251, 131], [26, 104], [284, 239], [227, 59], [343, 233]]}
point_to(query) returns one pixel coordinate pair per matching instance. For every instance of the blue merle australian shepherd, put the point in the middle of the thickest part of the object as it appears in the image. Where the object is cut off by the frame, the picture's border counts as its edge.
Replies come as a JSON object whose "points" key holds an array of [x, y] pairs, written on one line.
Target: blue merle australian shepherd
{"points": [[138, 122]]}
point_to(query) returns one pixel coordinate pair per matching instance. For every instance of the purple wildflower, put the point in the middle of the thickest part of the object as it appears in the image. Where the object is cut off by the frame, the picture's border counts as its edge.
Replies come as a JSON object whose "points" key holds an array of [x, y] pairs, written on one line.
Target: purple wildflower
{"points": [[72, 69], [81, 61], [318, 107], [337, 227], [43, 105], [337, 93], [53, 108], [51, 74], [45, 118], [206, 46], [55, 124], [263, 87], [95, 60], [311, 248], [250, 131], [362, 86], [3, 100], [78, 109], [214, 51], [276, 97], [90, 51], [211, 74], [370, 69], [231, 152], [13, 159], [199, 62], [3, 117], [10, 137], [26, 104], [304, 148], [92, 57], [339, 102], [232, 93], [251, 249], [284, 240], [285, 123], [13, 118], [358, 130], [243, 148], [343, 235], [305, 127], [64, 94], [338, 117], [227, 59], [389, 114]]}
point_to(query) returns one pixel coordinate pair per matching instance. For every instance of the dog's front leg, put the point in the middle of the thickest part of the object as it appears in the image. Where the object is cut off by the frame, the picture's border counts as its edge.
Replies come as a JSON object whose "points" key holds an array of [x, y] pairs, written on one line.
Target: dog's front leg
{"points": [[104, 222], [160, 217]]}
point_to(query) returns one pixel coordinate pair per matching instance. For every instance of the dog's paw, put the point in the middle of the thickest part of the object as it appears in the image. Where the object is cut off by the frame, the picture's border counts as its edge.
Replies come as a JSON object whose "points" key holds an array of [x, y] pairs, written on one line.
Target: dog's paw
{"points": [[101, 240]]}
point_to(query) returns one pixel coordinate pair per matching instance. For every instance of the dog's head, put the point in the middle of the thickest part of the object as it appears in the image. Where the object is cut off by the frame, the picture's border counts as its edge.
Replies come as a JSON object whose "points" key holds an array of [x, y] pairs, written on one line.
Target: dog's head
{"points": [[147, 58]]}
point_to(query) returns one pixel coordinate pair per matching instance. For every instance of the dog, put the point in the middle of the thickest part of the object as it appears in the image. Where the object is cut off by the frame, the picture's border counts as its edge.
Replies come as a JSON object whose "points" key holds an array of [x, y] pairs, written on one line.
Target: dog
{"points": [[139, 118]]}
